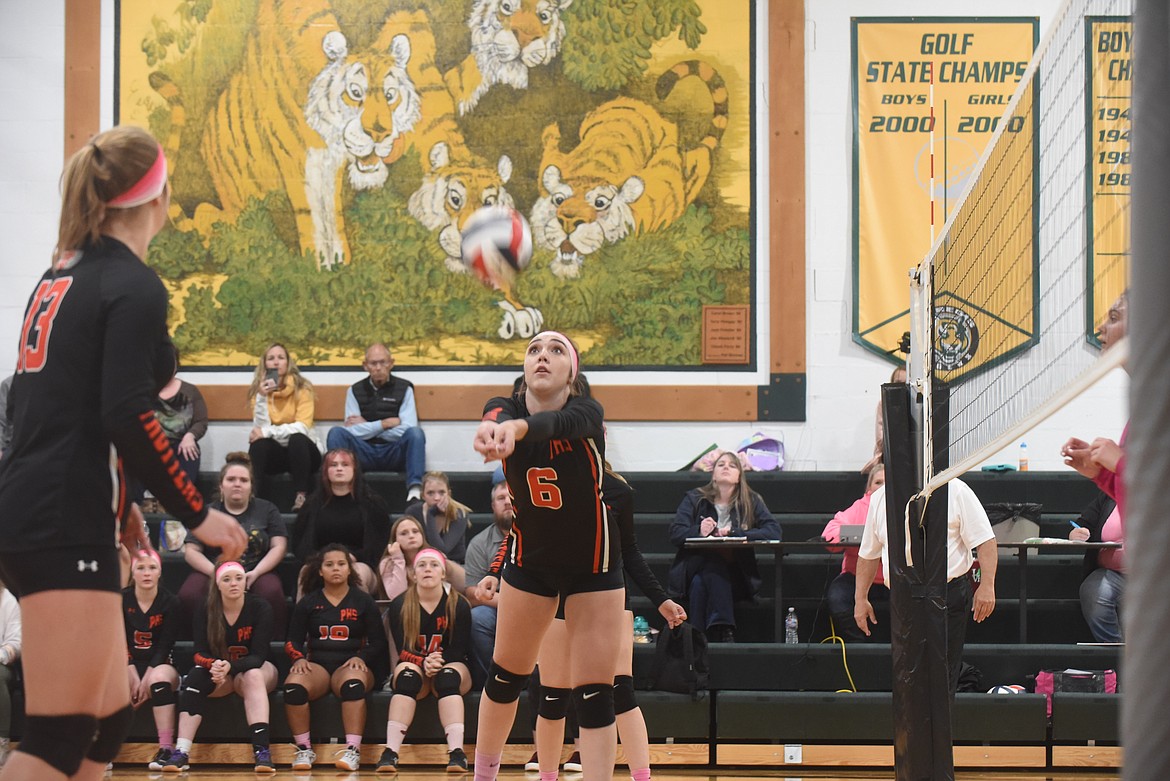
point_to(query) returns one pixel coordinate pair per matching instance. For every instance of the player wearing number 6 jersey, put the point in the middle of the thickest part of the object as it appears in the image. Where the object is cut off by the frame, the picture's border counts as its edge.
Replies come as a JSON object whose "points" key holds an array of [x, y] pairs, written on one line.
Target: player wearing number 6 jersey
{"points": [[92, 355], [550, 437]]}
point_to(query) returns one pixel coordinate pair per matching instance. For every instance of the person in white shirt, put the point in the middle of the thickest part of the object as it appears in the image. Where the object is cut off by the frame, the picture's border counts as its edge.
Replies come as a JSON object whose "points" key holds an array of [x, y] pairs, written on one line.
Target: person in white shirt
{"points": [[968, 530], [9, 654]]}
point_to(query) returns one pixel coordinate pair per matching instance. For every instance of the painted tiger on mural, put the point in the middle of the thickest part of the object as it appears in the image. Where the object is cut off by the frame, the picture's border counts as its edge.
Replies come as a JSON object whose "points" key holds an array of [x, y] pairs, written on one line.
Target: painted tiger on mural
{"points": [[507, 38], [298, 111], [628, 173]]}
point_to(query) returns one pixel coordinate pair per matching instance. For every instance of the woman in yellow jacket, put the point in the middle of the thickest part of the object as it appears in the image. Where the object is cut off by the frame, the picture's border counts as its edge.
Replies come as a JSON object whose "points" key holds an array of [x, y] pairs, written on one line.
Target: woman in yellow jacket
{"points": [[282, 437]]}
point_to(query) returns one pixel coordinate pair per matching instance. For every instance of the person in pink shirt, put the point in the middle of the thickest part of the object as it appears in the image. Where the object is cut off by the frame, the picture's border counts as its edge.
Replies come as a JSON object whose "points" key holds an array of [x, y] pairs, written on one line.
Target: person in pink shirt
{"points": [[840, 591], [1104, 584]]}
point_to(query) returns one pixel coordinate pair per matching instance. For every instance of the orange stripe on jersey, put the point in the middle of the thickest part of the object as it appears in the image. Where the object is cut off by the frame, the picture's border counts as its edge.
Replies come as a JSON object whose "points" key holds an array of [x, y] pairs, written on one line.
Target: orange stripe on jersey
{"points": [[120, 495], [493, 414], [598, 510]]}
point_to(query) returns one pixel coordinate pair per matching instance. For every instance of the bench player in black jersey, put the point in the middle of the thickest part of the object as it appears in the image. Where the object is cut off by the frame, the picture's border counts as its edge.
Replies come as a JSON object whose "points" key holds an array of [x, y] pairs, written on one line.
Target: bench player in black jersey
{"points": [[93, 354], [231, 655], [556, 653], [431, 626], [152, 616], [335, 641], [550, 437]]}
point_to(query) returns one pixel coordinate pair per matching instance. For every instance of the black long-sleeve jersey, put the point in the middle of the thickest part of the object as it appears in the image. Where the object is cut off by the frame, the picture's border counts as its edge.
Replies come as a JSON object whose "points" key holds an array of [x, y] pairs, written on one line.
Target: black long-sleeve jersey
{"points": [[619, 500], [435, 633], [150, 635], [93, 342], [247, 639], [554, 478], [333, 634]]}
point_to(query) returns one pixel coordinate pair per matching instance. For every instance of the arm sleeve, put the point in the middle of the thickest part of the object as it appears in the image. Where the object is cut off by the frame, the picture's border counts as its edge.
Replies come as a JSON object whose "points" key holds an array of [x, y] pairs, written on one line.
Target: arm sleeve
{"points": [[375, 647], [407, 418], [766, 527], [135, 324], [457, 539], [164, 642], [460, 635], [580, 418], [5, 414], [501, 557], [199, 417], [261, 637], [686, 522], [377, 531], [1108, 481], [370, 428], [203, 655], [1093, 517], [632, 559], [298, 627]]}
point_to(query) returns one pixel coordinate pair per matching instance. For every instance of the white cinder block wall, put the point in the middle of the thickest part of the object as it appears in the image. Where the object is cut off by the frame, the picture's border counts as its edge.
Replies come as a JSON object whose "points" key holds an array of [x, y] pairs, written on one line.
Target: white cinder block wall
{"points": [[843, 379]]}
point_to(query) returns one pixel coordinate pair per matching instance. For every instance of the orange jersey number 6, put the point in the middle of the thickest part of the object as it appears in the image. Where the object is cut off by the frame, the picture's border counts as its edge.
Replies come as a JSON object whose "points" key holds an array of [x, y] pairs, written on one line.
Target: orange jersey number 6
{"points": [[543, 489]]}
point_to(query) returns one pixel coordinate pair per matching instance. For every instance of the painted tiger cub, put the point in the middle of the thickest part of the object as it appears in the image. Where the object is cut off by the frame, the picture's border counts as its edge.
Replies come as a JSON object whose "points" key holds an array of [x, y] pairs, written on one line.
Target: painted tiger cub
{"points": [[628, 173], [507, 38]]}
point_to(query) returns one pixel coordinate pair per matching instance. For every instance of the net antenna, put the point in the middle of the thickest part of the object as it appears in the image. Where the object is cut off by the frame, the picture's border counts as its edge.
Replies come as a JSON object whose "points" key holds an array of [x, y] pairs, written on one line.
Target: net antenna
{"points": [[1005, 304]]}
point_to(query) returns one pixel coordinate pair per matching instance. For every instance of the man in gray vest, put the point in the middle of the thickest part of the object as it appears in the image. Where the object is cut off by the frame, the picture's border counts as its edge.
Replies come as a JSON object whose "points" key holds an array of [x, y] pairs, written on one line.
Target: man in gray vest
{"points": [[381, 423]]}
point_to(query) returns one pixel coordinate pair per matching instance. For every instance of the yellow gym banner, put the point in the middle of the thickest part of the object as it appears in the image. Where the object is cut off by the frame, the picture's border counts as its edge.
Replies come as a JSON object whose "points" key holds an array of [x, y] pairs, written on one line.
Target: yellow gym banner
{"points": [[975, 65], [1108, 100]]}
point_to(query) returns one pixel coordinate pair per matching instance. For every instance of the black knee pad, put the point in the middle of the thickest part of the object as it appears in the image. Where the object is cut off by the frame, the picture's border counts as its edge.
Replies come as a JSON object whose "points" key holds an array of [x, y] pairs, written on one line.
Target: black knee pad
{"points": [[623, 694], [447, 683], [554, 703], [408, 683], [196, 688], [594, 704], [295, 694], [60, 741], [503, 686], [161, 694], [353, 690], [111, 734]]}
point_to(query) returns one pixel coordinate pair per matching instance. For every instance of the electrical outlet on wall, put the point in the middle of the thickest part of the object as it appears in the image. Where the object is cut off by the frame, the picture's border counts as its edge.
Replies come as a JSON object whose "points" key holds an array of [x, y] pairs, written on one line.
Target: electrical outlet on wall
{"points": [[793, 754]]}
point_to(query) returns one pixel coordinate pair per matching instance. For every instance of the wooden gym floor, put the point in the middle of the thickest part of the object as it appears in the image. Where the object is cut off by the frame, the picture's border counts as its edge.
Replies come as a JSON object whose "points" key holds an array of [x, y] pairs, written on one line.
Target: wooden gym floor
{"points": [[787, 774]]}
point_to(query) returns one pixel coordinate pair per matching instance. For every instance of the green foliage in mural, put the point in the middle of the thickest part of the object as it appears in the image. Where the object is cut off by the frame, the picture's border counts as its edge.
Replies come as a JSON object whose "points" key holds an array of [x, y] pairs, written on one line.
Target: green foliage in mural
{"points": [[191, 14], [607, 42]]}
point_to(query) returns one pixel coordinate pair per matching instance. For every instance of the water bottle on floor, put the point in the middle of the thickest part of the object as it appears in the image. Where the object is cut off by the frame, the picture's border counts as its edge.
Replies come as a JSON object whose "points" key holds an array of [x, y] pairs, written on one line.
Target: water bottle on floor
{"points": [[790, 627]]}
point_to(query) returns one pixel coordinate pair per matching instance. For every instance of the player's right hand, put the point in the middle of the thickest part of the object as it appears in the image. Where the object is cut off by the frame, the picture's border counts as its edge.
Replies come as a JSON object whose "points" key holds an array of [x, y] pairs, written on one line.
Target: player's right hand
{"points": [[220, 530]]}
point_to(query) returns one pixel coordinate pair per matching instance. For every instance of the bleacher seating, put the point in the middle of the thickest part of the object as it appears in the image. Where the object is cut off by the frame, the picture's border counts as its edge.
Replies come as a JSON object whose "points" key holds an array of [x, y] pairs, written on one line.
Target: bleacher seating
{"points": [[765, 694]]}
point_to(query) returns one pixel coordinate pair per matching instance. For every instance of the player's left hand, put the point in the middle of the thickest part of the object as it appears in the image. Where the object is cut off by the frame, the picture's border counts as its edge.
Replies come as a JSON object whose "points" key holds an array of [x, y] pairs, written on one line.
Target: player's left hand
{"points": [[673, 612], [1106, 453], [355, 663]]}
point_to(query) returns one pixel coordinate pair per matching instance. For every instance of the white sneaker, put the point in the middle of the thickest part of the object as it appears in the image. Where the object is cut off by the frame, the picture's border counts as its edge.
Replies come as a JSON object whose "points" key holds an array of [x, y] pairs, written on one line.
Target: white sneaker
{"points": [[304, 759], [573, 763], [350, 759]]}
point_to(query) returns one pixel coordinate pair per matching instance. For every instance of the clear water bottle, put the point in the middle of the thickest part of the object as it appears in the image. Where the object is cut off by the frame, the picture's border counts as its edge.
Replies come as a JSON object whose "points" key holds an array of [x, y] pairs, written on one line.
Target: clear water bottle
{"points": [[641, 630], [790, 627], [1023, 456]]}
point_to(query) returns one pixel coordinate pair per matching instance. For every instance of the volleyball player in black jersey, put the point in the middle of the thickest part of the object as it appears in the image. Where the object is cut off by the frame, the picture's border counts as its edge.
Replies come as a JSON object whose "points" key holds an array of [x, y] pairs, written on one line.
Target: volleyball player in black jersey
{"points": [[550, 437], [151, 616], [231, 655], [335, 641], [91, 360], [431, 626], [556, 654]]}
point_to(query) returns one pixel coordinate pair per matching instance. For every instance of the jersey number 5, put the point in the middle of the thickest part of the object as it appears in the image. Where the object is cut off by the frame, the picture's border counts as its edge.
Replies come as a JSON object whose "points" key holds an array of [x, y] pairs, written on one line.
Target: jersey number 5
{"points": [[38, 324], [542, 487]]}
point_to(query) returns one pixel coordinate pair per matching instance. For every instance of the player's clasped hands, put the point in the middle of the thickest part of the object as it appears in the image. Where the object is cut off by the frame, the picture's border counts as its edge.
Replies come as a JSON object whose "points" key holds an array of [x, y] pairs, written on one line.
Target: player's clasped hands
{"points": [[219, 671], [495, 441], [433, 663]]}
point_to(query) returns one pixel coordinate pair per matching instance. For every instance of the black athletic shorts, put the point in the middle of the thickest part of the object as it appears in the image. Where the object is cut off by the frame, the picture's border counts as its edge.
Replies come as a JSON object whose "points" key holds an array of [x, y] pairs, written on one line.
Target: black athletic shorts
{"points": [[547, 584], [77, 567]]}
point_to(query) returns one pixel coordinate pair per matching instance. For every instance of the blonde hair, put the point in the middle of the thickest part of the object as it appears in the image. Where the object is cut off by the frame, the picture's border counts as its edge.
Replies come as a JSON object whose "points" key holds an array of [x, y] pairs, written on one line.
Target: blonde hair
{"points": [[106, 167], [294, 376], [455, 510], [412, 614]]}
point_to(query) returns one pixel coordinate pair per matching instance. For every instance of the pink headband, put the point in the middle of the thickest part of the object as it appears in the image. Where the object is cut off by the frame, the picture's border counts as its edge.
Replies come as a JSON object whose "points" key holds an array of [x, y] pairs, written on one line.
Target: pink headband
{"points": [[560, 337], [222, 568], [431, 553], [150, 553], [149, 187]]}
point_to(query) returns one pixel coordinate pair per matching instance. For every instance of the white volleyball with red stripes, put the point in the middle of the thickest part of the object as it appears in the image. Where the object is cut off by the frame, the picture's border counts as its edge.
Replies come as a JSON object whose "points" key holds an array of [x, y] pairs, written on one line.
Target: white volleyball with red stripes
{"points": [[497, 245]]}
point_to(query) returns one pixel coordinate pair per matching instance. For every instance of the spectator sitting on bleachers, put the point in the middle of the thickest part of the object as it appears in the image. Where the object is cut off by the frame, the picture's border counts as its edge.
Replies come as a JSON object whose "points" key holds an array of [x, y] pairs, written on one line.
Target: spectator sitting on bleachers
{"points": [[480, 552], [9, 654], [840, 591], [267, 544], [181, 411], [445, 519], [152, 616], [432, 630], [346, 511], [5, 415], [282, 438], [381, 422], [1103, 586], [408, 537], [710, 581]]}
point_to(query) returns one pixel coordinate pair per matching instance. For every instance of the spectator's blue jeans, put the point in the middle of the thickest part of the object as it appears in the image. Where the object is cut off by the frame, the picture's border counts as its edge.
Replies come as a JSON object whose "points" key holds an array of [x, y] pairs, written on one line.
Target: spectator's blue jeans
{"points": [[483, 642], [1101, 595], [710, 597], [406, 454]]}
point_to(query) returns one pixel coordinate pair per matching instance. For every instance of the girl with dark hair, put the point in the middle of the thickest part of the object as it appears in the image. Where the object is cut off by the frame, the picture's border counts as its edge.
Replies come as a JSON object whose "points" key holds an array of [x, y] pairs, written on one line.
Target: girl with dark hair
{"points": [[93, 353], [335, 641], [231, 655], [345, 511], [431, 625], [712, 580]]}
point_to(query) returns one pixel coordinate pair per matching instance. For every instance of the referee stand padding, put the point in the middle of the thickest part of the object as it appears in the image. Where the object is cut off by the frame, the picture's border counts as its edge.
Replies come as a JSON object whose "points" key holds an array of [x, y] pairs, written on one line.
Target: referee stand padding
{"points": [[766, 695]]}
